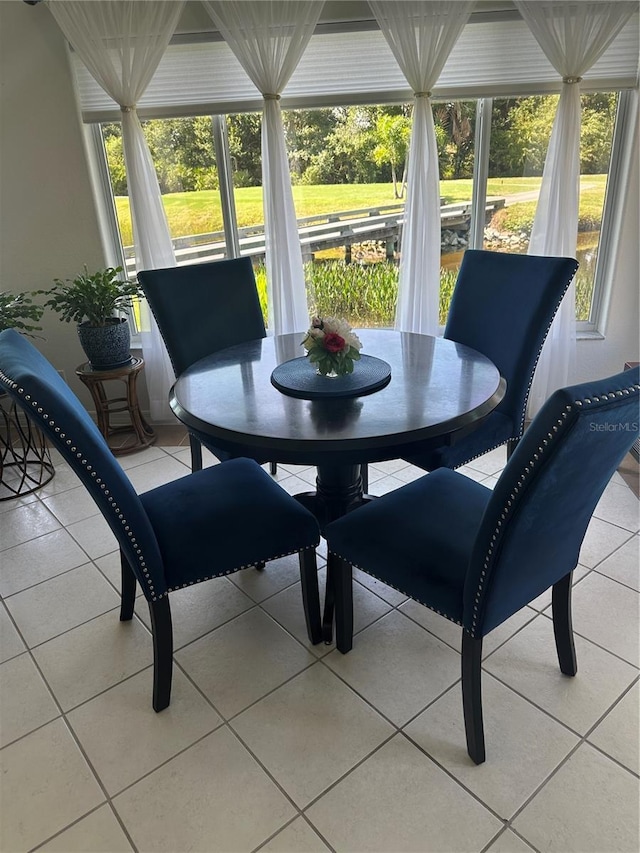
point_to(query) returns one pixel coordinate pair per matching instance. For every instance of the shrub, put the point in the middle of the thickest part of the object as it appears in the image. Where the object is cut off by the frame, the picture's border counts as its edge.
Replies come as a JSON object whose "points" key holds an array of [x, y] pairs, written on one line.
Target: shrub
{"points": [[364, 294]]}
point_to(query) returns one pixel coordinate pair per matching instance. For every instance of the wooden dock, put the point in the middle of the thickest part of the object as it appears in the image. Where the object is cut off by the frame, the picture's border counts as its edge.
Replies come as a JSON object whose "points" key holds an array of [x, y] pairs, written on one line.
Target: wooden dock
{"points": [[344, 228]]}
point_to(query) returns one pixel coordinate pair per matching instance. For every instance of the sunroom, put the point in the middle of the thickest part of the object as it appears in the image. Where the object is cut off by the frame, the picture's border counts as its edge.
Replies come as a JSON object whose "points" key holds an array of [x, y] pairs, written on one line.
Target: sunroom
{"points": [[272, 743]]}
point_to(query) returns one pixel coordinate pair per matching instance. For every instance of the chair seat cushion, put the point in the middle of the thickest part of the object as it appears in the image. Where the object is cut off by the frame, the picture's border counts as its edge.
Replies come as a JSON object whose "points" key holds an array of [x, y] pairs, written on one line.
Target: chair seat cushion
{"points": [[495, 430], [230, 516], [417, 539]]}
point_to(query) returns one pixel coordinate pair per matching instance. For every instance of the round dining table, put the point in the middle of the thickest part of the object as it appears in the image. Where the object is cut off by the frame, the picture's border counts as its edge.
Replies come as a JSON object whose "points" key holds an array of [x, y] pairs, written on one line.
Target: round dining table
{"points": [[438, 391]]}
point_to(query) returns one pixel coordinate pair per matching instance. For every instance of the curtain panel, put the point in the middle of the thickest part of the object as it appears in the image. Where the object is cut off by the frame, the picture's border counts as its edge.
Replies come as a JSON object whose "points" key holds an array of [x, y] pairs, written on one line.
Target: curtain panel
{"points": [[268, 37], [421, 37], [121, 43], [573, 36]]}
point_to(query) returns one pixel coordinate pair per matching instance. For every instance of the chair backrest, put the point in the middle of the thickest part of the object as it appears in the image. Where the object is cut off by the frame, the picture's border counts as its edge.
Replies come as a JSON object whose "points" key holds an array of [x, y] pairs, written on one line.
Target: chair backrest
{"points": [[203, 308], [536, 519], [503, 306], [47, 399]]}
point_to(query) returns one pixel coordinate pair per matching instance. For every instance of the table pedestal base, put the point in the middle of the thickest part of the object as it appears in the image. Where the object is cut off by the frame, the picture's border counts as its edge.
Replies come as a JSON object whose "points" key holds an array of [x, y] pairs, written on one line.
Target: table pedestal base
{"points": [[338, 491]]}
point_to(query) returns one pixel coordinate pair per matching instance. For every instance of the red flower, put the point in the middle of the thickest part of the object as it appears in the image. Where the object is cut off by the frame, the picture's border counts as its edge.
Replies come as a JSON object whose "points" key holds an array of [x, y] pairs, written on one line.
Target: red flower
{"points": [[333, 342]]}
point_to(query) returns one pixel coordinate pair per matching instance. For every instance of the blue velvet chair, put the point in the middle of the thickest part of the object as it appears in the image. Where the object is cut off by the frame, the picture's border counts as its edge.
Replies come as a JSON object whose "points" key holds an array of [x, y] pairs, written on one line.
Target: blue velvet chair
{"points": [[502, 306], [200, 309], [477, 556], [204, 525]]}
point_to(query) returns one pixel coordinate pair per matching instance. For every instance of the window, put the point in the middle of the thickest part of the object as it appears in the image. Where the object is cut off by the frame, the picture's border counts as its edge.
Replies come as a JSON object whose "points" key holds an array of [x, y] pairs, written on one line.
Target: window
{"points": [[347, 167], [520, 131], [491, 151]]}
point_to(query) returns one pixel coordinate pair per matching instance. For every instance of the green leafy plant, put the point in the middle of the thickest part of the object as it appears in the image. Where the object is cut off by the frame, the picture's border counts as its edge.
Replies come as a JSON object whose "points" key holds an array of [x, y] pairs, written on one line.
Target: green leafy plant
{"points": [[366, 294], [95, 298], [17, 311]]}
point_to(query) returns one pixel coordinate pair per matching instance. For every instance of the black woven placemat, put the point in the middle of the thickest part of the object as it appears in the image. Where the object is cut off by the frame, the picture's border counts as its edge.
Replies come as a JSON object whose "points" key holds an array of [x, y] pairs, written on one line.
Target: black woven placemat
{"points": [[298, 378]]}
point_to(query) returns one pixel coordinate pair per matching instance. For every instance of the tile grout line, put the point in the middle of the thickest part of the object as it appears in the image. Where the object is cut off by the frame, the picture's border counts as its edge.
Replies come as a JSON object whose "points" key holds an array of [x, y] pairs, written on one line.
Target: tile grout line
{"points": [[323, 660]]}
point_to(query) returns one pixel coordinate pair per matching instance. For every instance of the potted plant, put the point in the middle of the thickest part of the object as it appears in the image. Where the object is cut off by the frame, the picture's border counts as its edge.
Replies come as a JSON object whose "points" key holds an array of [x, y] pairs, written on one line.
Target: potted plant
{"points": [[17, 311], [93, 302]]}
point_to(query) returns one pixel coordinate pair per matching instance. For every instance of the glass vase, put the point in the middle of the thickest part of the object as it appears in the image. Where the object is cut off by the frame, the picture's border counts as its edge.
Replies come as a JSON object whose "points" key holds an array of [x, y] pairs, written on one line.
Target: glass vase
{"points": [[331, 375]]}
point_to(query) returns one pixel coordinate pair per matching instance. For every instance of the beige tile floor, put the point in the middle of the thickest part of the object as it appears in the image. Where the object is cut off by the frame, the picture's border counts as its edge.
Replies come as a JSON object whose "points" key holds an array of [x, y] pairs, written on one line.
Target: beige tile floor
{"points": [[271, 744]]}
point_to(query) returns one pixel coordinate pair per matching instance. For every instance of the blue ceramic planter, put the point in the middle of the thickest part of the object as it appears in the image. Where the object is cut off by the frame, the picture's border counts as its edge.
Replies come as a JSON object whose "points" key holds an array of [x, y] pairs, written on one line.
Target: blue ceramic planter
{"points": [[106, 347]]}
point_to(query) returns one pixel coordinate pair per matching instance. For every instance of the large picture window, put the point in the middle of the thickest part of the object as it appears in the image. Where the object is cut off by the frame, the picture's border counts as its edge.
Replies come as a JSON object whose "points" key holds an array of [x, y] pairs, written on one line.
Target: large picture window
{"points": [[347, 112], [348, 166]]}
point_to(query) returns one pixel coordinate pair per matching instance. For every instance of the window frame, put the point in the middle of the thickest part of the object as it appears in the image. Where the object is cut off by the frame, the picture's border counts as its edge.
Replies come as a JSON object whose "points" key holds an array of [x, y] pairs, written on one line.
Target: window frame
{"points": [[612, 215]]}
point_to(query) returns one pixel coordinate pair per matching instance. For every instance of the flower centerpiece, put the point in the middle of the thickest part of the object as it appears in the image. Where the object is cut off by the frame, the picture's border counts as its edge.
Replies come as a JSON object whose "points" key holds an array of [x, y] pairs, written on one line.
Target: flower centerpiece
{"points": [[332, 346]]}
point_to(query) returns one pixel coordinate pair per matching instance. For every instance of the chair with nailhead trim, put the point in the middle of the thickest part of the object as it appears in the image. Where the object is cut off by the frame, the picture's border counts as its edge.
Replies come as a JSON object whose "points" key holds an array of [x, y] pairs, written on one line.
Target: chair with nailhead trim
{"points": [[200, 309], [207, 524], [502, 306], [477, 556]]}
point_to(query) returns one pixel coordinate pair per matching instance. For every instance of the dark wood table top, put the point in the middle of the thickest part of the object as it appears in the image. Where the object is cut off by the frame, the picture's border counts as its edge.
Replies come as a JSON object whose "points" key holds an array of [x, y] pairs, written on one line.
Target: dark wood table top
{"points": [[437, 388]]}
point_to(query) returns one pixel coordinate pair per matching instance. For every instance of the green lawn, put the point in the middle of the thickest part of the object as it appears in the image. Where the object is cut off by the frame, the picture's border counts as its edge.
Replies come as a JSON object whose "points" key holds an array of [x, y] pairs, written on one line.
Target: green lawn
{"points": [[367, 294], [199, 212]]}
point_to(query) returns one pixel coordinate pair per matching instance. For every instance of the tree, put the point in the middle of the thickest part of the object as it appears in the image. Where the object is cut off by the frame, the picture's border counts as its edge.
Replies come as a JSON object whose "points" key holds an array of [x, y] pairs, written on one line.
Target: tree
{"points": [[115, 158], [456, 119], [598, 119], [244, 132], [183, 153], [181, 149], [345, 155], [392, 133], [521, 129], [306, 132]]}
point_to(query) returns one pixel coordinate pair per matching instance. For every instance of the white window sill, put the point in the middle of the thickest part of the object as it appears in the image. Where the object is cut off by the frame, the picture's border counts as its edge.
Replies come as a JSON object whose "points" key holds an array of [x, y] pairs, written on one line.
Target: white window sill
{"points": [[589, 335]]}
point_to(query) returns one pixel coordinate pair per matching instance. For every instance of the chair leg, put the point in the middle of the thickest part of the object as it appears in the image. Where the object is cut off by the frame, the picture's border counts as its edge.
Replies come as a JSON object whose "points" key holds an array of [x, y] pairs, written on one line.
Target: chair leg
{"points": [[196, 453], [329, 609], [310, 594], [563, 626], [273, 468], [128, 599], [162, 652], [339, 575], [364, 476], [472, 696]]}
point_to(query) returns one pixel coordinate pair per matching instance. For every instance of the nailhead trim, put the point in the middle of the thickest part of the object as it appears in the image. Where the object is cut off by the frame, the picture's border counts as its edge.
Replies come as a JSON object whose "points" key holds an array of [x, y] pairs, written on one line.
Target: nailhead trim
{"points": [[50, 422], [239, 568], [528, 470], [397, 588], [526, 396], [141, 561], [488, 450]]}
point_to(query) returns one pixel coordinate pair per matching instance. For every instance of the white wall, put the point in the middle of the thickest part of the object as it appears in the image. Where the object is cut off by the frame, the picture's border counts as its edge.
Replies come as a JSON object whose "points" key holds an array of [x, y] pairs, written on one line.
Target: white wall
{"points": [[48, 221]]}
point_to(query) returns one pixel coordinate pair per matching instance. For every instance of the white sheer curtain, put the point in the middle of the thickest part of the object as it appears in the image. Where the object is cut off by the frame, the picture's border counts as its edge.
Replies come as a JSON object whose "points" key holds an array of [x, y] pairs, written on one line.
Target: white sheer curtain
{"points": [[573, 35], [421, 36], [268, 38], [121, 42]]}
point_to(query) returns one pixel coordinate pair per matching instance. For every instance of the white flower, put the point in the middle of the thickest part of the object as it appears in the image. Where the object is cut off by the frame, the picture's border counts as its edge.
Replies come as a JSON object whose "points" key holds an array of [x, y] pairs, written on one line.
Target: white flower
{"points": [[342, 328], [313, 337]]}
